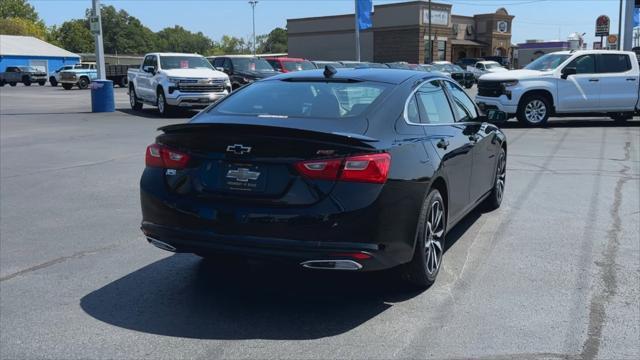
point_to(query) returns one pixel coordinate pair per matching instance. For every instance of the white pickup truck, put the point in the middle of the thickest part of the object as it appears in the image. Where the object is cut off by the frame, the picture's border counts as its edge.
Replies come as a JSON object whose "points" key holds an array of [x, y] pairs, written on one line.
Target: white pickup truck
{"points": [[566, 83], [174, 80]]}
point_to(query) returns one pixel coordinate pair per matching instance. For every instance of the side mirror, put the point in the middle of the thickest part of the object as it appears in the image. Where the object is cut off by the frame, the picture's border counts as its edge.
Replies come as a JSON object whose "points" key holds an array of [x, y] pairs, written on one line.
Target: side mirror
{"points": [[496, 116], [149, 69], [219, 68], [568, 71]]}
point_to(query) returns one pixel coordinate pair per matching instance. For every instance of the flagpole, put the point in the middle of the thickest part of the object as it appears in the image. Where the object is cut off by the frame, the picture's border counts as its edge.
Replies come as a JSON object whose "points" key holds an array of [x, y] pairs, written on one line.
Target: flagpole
{"points": [[357, 31]]}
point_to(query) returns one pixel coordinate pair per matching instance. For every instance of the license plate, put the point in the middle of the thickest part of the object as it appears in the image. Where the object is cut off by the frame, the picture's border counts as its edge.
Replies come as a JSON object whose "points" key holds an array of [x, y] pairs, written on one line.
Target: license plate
{"points": [[244, 177]]}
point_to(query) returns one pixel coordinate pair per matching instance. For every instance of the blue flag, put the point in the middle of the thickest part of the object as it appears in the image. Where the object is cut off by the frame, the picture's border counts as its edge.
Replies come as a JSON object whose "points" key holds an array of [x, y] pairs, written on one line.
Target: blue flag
{"points": [[363, 11]]}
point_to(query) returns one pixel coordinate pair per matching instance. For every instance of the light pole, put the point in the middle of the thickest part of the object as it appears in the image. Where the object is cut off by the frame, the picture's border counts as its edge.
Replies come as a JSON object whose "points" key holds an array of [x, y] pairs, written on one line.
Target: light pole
{"points": [[253, 16]]}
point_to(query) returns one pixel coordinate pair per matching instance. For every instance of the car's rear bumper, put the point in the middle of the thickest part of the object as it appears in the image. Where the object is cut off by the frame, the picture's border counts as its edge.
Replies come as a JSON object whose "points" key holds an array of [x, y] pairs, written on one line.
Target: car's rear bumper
{"points": [[368, 257]]}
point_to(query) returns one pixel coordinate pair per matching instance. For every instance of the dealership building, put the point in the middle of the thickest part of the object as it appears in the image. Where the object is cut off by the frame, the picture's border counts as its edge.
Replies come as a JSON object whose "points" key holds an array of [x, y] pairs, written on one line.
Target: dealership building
{"points": [[400, 33]]}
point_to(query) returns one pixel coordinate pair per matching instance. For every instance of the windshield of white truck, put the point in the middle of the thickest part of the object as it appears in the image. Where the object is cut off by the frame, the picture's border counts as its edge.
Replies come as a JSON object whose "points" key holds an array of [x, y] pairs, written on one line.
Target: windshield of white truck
{"points": [[548, 62], [184, 62]]}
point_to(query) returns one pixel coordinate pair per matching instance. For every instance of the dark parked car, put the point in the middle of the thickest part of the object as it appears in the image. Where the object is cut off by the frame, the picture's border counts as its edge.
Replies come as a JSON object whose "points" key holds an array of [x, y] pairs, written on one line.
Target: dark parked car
{"points": [[243, 70], [362, 169], [502, 60], [464, 62], [463, 77], [22, 74]]}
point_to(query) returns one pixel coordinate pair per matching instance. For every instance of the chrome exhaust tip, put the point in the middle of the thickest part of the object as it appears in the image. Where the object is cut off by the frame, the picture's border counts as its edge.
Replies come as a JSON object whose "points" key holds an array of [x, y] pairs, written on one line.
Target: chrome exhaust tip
{"points": [[161, 244], [348, 265]]}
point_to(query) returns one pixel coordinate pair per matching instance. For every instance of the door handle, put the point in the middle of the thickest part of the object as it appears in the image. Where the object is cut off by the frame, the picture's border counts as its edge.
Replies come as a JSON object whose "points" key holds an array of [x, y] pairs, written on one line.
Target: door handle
{"points": [[443, 144], [631, 79], [594, 80]]}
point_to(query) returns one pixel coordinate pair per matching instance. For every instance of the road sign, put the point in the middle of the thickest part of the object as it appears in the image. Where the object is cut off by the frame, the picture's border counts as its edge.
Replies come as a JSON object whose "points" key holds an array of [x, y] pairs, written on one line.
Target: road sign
{"points": [[602, 25], [94, 25]]}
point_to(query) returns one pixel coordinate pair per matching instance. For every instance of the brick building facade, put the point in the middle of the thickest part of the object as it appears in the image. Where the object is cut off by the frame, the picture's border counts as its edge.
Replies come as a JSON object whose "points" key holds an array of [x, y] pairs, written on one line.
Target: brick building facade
{"points": [[400, 33]]}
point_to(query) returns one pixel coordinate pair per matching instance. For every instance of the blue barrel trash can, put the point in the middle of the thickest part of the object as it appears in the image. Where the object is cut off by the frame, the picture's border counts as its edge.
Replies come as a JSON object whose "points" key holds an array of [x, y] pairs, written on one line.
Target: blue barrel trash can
{"points": [[102, 96]]}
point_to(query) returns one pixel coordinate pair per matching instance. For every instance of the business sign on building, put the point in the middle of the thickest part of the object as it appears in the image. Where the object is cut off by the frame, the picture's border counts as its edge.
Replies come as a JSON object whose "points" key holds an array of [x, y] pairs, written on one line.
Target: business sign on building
{"points": [[612, 41], [602, 25], [438, 17], [502, 26]]}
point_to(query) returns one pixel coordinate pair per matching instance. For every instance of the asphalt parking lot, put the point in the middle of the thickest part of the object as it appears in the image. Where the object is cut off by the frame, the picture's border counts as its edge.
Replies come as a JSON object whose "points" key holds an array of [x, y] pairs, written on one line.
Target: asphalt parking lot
{"points": [[552, 274]]}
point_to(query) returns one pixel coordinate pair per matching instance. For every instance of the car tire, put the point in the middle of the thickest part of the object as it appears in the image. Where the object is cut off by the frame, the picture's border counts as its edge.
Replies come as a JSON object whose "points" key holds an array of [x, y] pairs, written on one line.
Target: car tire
{"points": [[2, 82], [164, 109], [67, 86], [27, 82], [468, 86], [422, 270], [83, 83], [42, 83], [133, 100], [12, 83], [53, 81], [534, 110], [124, 82], [497, 193]]}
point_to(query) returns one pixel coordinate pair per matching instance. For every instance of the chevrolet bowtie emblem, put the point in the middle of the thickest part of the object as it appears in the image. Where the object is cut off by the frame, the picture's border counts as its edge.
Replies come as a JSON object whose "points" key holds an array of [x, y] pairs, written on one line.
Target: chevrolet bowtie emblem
{"points": [[243, 175], [239, 149]]}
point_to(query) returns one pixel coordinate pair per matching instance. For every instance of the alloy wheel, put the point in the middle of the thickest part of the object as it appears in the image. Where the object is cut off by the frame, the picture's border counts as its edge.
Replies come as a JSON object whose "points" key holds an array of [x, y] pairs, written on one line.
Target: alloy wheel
{"points": [[535, 111], [501, 177], [132, 98], [434, 234], [161, 103]]}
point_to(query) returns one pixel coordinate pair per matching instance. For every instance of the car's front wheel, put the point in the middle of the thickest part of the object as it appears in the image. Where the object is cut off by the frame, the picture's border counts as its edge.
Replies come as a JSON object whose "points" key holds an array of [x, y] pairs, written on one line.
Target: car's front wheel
{"points": [[163, 108], [430, 239], [41, 83], [53, 81], [67, 86], [534, 110]]}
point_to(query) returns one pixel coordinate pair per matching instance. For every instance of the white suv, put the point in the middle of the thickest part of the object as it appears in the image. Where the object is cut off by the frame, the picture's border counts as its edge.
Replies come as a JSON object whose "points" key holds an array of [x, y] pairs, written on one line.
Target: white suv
{"points": [[566, 83]]}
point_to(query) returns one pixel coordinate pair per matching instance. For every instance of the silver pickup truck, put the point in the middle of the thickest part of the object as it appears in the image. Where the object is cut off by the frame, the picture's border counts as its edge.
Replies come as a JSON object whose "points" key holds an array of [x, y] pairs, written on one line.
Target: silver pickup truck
{"points": [[174, 80]]}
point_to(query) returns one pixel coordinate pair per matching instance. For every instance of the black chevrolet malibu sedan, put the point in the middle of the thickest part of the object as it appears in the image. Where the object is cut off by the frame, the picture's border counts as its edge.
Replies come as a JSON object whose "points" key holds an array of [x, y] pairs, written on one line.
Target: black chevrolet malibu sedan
{"points": [[349, 169]]}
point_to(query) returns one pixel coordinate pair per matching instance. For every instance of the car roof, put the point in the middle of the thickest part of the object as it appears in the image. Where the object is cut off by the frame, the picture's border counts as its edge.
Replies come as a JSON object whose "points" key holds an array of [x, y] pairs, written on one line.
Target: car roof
{"points": [[571, 52], [391, 76]]}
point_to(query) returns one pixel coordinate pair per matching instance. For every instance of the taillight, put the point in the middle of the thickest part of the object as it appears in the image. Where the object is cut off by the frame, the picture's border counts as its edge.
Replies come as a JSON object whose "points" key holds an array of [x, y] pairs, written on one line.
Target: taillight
{"points": [[371, 168], [164, 157]]}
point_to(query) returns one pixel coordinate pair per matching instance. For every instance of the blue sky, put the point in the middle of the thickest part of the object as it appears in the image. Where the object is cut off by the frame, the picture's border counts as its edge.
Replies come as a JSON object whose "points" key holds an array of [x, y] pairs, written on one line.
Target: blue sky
{"points": [[535, 19]]}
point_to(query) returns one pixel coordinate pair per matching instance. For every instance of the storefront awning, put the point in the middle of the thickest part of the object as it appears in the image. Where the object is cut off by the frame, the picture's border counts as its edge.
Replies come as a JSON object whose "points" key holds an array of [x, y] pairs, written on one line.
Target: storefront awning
{"points": [[464, 42]]}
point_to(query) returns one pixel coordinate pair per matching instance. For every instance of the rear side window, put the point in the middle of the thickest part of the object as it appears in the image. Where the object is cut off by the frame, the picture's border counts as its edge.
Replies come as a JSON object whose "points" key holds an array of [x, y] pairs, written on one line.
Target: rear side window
{"points": [[413, 115], [613, 63], [433, 103], [283, 99], [466, 109]]}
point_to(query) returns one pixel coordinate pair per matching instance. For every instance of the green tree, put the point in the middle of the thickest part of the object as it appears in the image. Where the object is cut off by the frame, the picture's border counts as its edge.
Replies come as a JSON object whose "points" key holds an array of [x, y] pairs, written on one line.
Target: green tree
{"points": [[73, 35], [125, 34], [18, 9], [24, 27], [178, 39], [274, 42]]}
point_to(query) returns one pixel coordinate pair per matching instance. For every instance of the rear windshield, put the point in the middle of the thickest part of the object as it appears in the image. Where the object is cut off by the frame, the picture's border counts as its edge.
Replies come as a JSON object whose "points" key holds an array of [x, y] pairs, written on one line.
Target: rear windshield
{"points": [[302, 99], [298, 65]]}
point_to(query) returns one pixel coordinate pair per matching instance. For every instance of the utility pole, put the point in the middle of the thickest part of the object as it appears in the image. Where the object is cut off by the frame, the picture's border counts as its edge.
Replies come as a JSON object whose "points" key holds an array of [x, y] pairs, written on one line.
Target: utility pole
{"points": [[357, 31], [96, 29], [430, 41], [620, 27], [628, 25], [253, 16]]}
